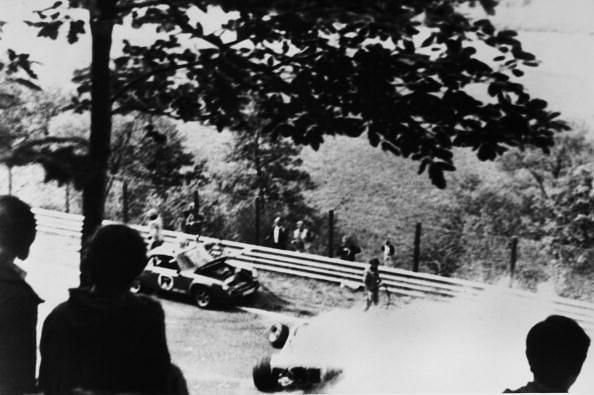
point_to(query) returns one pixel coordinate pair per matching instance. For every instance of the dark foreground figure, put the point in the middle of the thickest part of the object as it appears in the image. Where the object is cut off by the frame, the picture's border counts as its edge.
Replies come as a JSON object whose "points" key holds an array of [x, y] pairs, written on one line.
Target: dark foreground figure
{"points": [[556, 349], [18, 302], [105, 339]]}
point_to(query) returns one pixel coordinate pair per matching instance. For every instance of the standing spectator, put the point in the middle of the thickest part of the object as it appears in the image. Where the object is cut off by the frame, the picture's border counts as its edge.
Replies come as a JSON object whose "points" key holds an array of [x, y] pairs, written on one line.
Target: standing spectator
{"points": [[278, 236], [372, 281], [155, 225], [388, 252], [106, 339], [556, 349], [302, 238], [18, 301], [191, 222], [348, 250]]}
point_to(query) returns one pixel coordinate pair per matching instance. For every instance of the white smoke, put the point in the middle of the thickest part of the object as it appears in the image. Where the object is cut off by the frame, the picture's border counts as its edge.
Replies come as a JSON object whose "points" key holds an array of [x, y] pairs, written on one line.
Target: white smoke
{"points": [[470, 344]]}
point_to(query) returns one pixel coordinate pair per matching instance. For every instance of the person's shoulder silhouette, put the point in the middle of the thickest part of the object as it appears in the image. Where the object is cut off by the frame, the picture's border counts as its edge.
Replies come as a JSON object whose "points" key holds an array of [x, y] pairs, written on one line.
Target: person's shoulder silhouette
{"points": [[18, 301], [105, 338]]}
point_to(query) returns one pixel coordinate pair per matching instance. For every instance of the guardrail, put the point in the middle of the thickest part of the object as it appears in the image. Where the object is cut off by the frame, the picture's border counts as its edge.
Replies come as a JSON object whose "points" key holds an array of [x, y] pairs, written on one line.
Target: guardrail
{"points": [[345, 273]]}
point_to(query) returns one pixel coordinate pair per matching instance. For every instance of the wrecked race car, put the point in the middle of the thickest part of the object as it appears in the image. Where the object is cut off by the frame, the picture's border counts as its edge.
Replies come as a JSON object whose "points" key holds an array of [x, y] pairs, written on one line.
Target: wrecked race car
{"points": [[293, 367], [192, 271]]}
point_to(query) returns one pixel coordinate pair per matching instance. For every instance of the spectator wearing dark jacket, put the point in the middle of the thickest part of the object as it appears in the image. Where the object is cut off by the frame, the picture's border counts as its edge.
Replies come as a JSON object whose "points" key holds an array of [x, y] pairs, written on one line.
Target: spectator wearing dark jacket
{"points": [[372, 282], [18, 301], [348, 250], [279, 235], [106, 339]]}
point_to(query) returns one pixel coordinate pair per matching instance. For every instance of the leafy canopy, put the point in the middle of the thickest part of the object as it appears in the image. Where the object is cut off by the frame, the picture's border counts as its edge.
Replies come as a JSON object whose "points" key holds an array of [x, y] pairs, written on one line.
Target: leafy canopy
{"points": [[405, 73]]}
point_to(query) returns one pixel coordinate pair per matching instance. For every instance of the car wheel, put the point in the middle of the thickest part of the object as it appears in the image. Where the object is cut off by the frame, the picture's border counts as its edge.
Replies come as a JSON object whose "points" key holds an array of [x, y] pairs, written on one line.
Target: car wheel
{"points": [[278, 335], [264, 380], [202, 297], [136, 287]]}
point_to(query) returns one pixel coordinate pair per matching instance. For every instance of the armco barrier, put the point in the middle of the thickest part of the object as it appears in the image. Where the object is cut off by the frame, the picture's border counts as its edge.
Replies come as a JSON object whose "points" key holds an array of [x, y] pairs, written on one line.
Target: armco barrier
{"points": [[398, 281]]}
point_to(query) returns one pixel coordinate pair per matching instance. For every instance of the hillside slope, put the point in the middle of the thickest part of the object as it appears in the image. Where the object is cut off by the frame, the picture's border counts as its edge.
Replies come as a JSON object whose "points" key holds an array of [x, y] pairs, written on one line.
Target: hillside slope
{"points": [[376, 195]]}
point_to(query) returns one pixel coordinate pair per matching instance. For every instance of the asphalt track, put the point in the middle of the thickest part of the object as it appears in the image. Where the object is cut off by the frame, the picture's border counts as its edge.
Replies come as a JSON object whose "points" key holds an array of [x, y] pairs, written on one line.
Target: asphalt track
{"points": [[215, 349]]}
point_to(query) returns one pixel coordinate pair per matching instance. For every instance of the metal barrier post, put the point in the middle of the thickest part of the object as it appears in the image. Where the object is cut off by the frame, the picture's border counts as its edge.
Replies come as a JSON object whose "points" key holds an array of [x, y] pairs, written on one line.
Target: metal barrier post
{"points": [[67, 197], [257, 220], [417, 248], [331, 233], [196, 205], [513, 259]]}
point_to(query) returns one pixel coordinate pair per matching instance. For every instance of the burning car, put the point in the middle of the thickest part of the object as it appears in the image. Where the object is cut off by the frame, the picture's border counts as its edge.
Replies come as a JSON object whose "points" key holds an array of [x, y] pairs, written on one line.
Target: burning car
{"points": [[194, 272], [294, 367]]}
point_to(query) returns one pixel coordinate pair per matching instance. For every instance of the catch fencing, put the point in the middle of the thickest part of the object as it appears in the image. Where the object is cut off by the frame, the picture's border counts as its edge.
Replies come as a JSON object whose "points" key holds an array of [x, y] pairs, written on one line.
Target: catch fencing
{"points": [[344, 273]]}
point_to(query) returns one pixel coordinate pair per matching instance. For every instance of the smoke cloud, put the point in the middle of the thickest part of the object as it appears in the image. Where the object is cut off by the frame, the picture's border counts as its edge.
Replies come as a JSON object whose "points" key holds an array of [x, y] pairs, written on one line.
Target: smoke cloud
{"points": [[469, 344]]}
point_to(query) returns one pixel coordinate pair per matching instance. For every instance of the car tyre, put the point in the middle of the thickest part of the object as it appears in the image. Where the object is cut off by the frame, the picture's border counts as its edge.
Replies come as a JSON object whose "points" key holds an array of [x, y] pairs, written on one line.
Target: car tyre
{"points": [[136, 287], [278, 335], [202, 297], [264, 380]]}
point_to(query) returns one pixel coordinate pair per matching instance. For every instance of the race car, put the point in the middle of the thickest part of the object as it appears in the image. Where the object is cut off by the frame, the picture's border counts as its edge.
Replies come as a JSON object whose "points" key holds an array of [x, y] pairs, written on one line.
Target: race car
{"points": [[194, 272], [294, 367]]}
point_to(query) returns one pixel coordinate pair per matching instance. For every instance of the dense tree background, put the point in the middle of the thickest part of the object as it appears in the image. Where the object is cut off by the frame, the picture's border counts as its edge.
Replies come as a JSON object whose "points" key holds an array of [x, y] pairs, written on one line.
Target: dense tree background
{"points": [[545, 201], [400, 72], [266, 168]]}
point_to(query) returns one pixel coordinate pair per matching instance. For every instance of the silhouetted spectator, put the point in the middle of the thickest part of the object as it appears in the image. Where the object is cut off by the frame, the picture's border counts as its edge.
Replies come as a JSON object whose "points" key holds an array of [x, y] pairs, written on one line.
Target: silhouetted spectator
{"points": [[278, 237], [155, 225], [372, 281], [556, 349], [18, 301], [348, 250], [192, 221], [388, 252], [105, 338], [302, 238]]}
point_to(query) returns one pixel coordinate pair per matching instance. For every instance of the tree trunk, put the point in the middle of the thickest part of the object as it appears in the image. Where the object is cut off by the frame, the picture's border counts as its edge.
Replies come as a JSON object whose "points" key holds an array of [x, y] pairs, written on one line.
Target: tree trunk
{"points": [[102, 20]]}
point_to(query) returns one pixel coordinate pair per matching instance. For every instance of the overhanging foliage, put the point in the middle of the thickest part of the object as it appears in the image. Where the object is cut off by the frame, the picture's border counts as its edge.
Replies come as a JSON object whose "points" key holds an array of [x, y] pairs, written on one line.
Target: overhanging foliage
{"points": [[405, 73]]}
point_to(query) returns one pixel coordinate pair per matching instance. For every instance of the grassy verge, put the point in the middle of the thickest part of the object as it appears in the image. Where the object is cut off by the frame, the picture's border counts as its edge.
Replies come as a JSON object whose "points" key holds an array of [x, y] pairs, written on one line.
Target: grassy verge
{"points": [[304, 297]]}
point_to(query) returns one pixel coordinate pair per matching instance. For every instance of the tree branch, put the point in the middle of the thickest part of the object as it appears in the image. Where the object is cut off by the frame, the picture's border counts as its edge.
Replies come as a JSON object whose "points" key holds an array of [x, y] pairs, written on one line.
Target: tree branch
{"points": [[149, 74], [144, 4], [540, 181]]}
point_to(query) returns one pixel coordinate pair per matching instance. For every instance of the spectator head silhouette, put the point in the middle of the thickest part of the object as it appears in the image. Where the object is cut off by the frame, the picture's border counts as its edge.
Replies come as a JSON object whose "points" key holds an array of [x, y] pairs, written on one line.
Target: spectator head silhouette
{"points": [[17, 227], [115, 256], [152, 214], [374, 263], [556, 348]]}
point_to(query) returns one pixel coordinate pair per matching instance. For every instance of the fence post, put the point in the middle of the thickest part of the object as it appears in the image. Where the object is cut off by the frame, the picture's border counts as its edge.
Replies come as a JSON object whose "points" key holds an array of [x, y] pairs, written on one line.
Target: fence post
{"points": [[196, 199], [513, 259], [125, 202], [330, 233], [417, 248], [257, 220], [67, 197]]}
